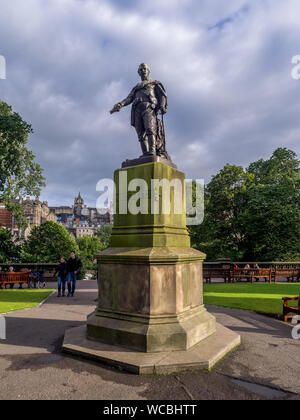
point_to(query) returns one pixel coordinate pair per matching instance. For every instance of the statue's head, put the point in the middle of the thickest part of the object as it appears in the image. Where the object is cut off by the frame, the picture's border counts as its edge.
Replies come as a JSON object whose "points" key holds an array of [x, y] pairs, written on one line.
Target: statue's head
{"points": [[144, 71]]}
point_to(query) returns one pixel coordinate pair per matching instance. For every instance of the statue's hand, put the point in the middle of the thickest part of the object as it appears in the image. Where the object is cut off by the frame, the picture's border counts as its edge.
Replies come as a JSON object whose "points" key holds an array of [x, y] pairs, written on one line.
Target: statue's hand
{"points": [[116, 108]]}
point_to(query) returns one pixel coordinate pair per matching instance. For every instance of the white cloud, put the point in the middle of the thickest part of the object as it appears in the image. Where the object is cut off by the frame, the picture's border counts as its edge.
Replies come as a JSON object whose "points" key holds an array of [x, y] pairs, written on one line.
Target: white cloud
{"points": [[225, 64]]}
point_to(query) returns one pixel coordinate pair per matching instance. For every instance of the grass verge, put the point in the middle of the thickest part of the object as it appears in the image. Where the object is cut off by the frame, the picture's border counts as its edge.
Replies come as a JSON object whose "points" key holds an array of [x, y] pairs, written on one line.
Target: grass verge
{"points": [[262, 298], [13, 300]]}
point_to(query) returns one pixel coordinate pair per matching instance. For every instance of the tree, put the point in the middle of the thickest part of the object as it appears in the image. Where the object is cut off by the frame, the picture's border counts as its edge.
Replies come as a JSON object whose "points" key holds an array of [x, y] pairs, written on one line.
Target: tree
{"points": [[104, 234], [253, 214], [272, 224], [283, 166], [222, 233], [89, 246], [20, 175], [47, 243], [8, 250], [273, 213]]}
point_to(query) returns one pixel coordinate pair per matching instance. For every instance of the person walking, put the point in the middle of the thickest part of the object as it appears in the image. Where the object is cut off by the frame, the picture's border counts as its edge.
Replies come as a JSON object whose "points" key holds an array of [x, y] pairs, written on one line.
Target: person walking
{"points": [[62, 277], [74, 266]]}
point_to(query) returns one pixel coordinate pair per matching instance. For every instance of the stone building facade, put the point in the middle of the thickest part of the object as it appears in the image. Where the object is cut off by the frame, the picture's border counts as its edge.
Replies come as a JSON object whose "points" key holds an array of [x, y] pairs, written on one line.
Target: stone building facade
{"points": [[35, 212], [6, 217], [81, 220]]}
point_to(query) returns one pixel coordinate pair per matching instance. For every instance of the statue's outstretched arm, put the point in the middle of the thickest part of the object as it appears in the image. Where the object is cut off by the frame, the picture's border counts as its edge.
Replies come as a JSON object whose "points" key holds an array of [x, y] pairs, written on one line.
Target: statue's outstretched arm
{"points": [[125, 102]]}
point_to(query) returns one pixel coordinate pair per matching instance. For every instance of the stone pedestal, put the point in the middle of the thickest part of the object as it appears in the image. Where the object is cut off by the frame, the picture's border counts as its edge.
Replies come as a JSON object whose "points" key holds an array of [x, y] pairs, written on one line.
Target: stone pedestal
{"points": [[150, 287], [150, 300], [150, 279]]}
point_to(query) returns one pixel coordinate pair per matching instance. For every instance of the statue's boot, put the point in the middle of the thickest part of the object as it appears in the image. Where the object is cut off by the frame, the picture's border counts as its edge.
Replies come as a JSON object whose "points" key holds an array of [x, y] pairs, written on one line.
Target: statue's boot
{"points": [[152, 145]]}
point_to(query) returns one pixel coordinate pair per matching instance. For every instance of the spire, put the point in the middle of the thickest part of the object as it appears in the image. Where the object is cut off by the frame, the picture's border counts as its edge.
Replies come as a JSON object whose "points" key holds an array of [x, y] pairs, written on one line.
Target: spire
{"points": [[79, 200]]}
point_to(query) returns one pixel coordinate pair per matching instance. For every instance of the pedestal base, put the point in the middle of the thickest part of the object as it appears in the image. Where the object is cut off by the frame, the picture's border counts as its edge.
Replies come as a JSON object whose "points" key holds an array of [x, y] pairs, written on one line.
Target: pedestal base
{"points": [[147, 159], [202, 356], [152, 334], [150, 300]]}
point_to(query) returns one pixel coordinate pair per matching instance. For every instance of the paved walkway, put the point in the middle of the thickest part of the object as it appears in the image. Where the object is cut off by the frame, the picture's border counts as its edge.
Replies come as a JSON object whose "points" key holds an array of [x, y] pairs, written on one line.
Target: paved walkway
{"points": [[32, 366]]}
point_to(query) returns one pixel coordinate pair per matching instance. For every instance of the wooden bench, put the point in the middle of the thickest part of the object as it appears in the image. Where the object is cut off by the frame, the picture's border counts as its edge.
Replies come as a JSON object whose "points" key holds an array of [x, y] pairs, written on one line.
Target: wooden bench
{"points": [[291, 274], [216, 273], [290, 309], [14, 278], [252, 273]]}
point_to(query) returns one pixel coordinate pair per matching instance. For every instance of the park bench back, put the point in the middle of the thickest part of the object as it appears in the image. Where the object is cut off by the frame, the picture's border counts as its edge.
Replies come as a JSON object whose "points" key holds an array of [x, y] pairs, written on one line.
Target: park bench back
{"points": [[11, 278], [289, 273], [217, 273], [252, 273]]}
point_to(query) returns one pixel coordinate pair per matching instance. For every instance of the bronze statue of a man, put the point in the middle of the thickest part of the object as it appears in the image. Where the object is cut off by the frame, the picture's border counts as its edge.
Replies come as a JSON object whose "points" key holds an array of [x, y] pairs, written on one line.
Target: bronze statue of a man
{"points": [[148, 99]]}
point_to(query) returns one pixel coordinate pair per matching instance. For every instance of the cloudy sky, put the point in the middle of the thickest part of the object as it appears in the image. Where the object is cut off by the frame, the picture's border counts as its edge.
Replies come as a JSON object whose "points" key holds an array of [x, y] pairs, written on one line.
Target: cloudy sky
{"points": [[226, 65]]}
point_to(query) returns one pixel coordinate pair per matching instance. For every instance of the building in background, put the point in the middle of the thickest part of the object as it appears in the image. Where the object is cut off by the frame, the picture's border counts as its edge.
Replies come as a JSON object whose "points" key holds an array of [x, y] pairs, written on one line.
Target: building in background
{"points": [[78, 231], [6, 217], [81, 220], [36, 212]]}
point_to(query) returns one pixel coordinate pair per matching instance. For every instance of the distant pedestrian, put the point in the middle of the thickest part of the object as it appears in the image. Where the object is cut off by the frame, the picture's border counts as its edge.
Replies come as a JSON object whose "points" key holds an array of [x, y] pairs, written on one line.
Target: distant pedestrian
{"points": [[41, 279], [62, 277], [74, 267], [35, 278], [95, 262]]}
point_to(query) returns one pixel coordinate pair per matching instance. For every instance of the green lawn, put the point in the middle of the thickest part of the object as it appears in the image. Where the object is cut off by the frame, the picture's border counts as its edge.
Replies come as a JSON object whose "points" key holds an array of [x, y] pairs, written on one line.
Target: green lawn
{"points": [[12, 300], [263, 298]]}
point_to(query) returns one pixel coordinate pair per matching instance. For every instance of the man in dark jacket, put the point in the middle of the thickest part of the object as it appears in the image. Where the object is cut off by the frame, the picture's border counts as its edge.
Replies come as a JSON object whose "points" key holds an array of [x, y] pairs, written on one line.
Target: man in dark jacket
{"points": [[74, 266]]}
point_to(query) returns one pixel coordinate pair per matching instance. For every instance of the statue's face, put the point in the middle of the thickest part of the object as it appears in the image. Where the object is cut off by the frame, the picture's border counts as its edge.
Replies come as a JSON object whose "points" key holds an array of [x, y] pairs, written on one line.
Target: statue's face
{"points": [[144, 71]]}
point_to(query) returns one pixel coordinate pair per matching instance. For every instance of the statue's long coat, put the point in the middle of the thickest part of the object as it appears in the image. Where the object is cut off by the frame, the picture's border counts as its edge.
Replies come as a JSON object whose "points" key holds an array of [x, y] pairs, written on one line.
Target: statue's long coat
{"points": [[160, 94]]}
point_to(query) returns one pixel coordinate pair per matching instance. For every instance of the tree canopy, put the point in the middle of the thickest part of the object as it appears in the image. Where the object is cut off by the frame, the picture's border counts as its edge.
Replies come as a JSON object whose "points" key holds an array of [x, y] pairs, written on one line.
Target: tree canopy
{"points": [[253, 214], [89, 246], [104, 234], [47, 243], [9, 251], [20, 175]]}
